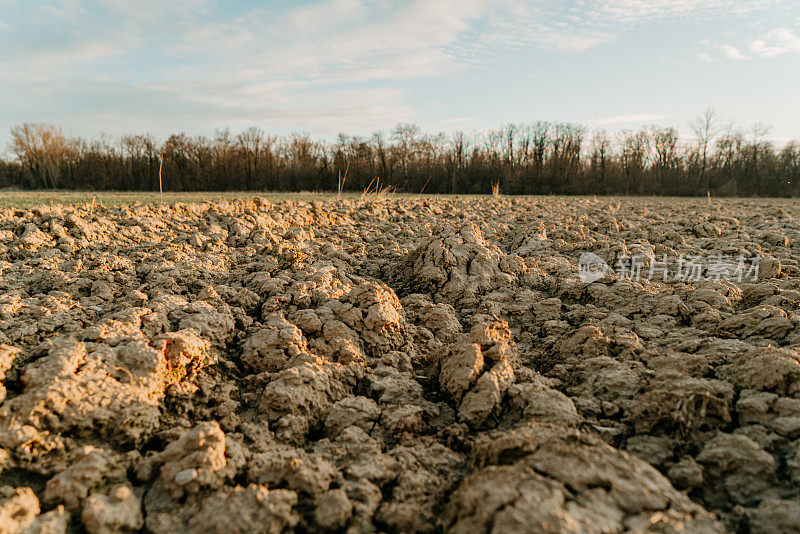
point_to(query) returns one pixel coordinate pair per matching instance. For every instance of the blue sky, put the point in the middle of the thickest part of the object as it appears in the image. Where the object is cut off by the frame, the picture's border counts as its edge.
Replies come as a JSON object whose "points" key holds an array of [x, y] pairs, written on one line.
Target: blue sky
{"points": [[358, 66]]}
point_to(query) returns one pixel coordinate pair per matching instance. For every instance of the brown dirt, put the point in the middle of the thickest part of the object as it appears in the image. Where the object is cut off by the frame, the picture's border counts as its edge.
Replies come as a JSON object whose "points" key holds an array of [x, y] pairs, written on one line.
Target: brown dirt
{"points": [[396, 365]]}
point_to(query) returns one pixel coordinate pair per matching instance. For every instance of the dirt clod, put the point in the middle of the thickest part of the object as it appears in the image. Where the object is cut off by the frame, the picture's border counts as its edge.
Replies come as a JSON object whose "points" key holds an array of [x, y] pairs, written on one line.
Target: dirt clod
{"points": [[398, 365]]}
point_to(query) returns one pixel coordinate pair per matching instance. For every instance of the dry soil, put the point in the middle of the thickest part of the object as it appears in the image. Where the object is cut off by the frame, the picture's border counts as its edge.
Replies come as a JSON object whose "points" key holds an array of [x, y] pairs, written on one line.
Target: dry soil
{"points": [[397, 365]]}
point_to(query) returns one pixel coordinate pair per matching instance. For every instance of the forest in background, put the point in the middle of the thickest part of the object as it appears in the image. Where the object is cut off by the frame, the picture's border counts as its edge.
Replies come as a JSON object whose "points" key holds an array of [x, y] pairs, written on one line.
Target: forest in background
{"points": [[539, 158]]}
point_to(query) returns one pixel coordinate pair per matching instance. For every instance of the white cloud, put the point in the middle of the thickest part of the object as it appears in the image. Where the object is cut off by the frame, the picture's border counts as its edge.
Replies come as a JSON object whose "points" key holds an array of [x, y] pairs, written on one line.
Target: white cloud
{"points": [[329, 64], [772, 44], [775, 43], [640, 10], [342, 41], [705, 58], [785, 37], [578, 25], [760, 48], [517, 34], [731, 52], [307, 67]]}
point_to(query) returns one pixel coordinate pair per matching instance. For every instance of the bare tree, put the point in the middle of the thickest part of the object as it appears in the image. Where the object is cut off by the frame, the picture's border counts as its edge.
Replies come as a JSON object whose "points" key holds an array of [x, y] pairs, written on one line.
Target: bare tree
{"points": [[565, 154], [250, 142], [704, 127], [459, 155], [536, 158], [509, 134], [40, 147], [665, 158], [601, 148], [635, 149], [405, 135], [540, 136]]}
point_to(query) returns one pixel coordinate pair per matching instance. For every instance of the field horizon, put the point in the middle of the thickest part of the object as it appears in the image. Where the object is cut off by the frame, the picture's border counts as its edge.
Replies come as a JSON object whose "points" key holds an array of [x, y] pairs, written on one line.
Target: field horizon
{"points": [[24, 199]]}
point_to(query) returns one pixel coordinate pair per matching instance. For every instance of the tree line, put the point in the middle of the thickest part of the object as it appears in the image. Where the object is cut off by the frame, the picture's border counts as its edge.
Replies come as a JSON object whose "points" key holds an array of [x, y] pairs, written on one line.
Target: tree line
{"points": [[538, 158]]}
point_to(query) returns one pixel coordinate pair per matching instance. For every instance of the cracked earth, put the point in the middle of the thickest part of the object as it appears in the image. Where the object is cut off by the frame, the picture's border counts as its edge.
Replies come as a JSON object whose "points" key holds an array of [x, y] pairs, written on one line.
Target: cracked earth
{"points": [[397, 365]]}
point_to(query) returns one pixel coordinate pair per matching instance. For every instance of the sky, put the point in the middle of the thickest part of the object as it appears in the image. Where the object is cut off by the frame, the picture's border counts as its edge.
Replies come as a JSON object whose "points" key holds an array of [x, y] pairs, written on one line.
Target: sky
{"points": [[359, 66]]}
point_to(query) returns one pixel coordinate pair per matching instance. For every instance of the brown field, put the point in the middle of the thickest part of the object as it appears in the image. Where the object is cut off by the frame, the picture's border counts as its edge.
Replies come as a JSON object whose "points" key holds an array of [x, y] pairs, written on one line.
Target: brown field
{"points": [[28, 199], [398, 364]]}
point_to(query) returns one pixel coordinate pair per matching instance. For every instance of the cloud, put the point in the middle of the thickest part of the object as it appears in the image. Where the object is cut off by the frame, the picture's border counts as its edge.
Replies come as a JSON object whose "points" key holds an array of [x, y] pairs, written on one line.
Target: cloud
{"points": [[705, 58], [760, 48], [786, 38], [325, 64], [308, 67], [772, 44], [577, 25], [338, 41], [731, 52], [518, 34], [776, 43], [636, 11]]}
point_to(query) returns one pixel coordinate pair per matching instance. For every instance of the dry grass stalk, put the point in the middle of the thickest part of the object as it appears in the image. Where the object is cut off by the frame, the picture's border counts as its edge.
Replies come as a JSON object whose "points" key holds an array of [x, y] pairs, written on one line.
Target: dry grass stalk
{"points": [[378, 192], [426, 185], [160, 166], [342, 180]]}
